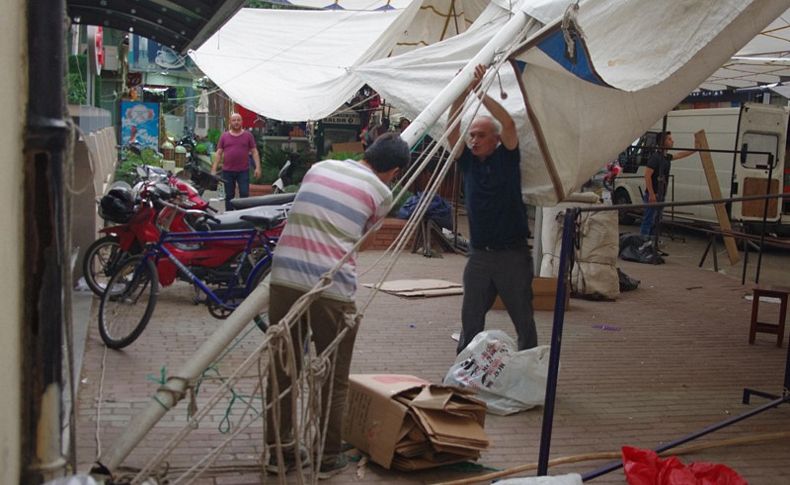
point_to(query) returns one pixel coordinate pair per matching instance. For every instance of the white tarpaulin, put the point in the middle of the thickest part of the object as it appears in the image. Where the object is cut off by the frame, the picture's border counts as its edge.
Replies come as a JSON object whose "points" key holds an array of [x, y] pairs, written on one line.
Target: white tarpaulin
{"points": [[293, 65], [635, 61]]}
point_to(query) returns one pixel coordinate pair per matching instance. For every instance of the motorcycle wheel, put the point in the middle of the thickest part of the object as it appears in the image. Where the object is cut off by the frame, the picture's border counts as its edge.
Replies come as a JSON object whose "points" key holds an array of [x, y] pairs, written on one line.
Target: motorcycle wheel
{"points": [[128, 303], [97, 264]]}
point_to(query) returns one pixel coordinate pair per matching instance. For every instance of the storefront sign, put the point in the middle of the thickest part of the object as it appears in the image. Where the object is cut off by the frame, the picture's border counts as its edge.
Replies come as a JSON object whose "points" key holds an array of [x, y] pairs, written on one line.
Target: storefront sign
{"points": [[350, 118]]}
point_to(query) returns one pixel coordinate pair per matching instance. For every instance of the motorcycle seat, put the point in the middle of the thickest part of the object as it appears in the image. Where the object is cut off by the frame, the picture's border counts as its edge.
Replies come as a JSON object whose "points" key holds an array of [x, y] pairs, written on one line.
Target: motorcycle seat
{"points": [[261, 200], [264, 221], [240, 219]]}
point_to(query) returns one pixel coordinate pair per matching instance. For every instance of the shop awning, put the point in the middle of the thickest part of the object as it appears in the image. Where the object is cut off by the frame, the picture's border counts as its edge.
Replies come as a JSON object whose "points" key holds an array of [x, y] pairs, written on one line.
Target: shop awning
{"points": [[179, 24]]}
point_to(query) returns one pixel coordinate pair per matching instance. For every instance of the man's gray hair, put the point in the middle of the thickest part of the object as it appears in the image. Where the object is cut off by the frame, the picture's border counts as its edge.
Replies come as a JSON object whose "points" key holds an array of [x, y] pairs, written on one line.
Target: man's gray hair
{"points": [[497, 125]]}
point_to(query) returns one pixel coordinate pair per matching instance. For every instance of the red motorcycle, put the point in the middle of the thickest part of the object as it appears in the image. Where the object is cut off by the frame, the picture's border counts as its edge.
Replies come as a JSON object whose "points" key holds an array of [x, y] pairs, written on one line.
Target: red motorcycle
{"points": [[134, 218], [140, 217]]}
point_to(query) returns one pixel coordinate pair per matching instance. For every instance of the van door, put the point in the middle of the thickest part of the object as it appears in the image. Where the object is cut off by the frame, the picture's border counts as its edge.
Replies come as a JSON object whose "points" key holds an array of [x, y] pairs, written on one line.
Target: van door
{"points": [[763, 128]]}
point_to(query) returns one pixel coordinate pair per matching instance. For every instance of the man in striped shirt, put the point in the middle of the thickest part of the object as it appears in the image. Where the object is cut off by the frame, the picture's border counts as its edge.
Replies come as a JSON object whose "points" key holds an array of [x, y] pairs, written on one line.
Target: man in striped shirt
{"points": [[337, 203]]}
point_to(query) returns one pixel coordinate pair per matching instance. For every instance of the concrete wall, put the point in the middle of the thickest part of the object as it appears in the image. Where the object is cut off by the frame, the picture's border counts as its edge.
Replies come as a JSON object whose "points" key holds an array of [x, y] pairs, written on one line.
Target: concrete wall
{"points": [[13, 92]]}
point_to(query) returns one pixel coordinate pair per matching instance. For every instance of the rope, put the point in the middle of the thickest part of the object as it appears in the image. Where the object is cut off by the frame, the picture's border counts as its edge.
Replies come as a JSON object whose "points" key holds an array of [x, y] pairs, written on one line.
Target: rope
{"points": [[99, 400], [571, 30]]}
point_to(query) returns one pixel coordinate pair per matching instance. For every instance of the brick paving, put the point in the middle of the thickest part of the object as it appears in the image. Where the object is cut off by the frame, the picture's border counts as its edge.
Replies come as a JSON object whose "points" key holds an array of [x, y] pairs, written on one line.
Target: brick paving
{"points": [[672, 358]]}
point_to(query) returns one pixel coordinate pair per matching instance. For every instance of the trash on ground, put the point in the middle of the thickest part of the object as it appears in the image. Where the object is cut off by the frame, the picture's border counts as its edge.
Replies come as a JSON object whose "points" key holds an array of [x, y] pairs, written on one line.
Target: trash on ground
{"points": [[507, 380], [421, 288], [407, 423], [645, 467], [569, 479], [610, 328]]}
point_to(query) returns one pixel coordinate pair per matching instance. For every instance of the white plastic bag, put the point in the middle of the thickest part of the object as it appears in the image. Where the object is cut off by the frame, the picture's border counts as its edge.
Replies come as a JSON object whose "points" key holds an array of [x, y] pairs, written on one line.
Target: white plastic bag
{"points": [[569, 479], [507, 380]]}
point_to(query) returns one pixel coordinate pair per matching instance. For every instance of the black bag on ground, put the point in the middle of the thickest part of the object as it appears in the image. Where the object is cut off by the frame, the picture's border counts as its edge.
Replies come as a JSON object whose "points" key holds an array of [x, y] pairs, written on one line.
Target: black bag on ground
{"points": [[639, 248]]}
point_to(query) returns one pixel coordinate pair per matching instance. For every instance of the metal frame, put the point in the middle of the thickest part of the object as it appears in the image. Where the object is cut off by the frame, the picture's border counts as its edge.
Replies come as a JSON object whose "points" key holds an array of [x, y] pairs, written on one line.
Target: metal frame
{"points": [[568, 236], [159, 249]]}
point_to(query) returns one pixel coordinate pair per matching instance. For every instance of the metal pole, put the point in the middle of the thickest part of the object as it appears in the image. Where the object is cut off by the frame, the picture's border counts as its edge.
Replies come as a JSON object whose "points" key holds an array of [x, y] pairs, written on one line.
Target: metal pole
{"points": [[257, 302], [765, 217], [568, 233], [723, 424]]}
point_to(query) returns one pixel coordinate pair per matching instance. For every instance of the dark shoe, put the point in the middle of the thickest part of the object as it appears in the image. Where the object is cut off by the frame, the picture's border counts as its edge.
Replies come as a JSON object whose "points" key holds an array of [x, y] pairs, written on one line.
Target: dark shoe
{"points": [[332, 466], [289, 459]]}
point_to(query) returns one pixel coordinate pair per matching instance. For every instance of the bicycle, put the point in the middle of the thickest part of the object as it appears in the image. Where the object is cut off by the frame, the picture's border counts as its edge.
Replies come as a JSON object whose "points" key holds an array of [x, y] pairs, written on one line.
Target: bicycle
{"points": [[129, 301]]}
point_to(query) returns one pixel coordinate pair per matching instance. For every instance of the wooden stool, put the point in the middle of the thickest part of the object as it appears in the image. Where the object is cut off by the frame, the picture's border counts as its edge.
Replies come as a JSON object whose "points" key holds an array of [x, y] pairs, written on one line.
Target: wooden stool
{"points": [[777, 329]]}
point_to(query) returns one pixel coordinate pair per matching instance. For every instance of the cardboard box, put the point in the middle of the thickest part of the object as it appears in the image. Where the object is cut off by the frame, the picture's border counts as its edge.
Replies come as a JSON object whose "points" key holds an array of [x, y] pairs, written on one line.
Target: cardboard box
{"points": [[405, 422], [544, 295]]}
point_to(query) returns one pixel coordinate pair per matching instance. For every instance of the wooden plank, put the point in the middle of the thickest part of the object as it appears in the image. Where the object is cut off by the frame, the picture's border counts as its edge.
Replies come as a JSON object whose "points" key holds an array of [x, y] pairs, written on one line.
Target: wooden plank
{"points": [[701, 141]]}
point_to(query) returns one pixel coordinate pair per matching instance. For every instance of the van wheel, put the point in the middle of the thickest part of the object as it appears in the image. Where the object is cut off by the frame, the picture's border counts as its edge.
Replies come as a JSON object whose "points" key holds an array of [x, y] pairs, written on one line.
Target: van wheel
{"points": [[621, 197]]}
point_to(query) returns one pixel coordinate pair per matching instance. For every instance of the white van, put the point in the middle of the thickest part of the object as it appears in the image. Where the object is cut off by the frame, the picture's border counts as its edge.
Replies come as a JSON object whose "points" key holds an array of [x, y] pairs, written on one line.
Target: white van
{"points": [[752, 128]]}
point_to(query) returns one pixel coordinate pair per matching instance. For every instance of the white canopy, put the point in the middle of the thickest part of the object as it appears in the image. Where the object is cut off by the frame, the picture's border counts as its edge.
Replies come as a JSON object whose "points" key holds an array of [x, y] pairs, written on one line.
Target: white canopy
{"points": [[294, 65], [635, 61], [297, 65]]}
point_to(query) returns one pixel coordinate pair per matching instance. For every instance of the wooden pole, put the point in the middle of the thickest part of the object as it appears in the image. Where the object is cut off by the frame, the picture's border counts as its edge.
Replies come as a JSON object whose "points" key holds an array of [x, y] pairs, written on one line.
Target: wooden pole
{"points": [[701, 141]]}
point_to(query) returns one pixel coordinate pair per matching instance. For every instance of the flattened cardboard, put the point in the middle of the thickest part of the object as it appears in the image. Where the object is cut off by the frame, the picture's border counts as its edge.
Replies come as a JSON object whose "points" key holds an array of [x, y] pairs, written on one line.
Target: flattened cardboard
{"points": [[405, 422]]}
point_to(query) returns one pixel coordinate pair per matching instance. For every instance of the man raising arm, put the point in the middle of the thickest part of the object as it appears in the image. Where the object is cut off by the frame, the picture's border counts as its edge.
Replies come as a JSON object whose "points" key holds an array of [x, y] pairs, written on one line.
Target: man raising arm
{"points": [[500, 262]]}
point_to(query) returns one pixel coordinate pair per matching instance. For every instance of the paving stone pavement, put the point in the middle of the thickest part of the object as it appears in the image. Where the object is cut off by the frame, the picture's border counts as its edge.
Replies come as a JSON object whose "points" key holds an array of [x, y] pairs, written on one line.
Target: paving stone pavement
{"points": [[661, 362]]}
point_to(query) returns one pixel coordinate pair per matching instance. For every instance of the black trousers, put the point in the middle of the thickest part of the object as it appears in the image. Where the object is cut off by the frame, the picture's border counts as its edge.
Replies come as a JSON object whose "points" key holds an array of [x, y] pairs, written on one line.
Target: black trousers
{"points": [[507, 273]]}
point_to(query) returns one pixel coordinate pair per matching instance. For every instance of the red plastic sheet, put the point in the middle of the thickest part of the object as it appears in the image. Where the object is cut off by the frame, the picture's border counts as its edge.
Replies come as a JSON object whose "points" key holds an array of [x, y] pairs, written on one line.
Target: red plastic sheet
{"points": [[644, 467]]}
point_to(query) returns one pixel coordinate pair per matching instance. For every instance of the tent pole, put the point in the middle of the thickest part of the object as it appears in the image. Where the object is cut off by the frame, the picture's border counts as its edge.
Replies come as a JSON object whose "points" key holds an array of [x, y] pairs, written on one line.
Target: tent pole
{"points": [[459, 83], [257, 302]]}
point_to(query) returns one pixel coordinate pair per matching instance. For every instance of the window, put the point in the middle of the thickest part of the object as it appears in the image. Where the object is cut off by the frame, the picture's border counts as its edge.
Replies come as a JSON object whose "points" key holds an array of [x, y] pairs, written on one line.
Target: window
{"points": [[758, 142]]}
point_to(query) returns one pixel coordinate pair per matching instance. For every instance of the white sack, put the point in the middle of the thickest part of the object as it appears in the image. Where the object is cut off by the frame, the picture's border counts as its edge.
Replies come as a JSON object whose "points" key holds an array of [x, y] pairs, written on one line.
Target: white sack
{"points": [[595, 270], [507, 380]]}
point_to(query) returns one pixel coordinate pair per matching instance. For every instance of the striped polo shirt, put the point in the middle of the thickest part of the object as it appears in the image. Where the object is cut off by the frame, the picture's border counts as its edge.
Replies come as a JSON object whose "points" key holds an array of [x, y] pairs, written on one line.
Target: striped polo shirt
{"points": [[337, 203]]}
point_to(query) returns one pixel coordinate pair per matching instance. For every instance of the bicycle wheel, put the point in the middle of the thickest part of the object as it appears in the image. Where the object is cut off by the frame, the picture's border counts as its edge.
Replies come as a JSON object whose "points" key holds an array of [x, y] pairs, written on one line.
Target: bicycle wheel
{"points": [[97, 263], [128, 303]]}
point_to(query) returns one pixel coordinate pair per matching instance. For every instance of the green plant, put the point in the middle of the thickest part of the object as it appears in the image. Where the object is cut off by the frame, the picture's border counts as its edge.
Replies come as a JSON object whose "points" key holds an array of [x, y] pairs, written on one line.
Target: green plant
{"points": [[345, 156], [213, 135], [75, 79], [201, 149], [126, 170]]}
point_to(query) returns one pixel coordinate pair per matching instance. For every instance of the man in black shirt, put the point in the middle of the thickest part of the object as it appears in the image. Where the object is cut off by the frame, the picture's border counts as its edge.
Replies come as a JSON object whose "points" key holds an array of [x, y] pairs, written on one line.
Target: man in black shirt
{"points": [[500, 261], [657, 179]]}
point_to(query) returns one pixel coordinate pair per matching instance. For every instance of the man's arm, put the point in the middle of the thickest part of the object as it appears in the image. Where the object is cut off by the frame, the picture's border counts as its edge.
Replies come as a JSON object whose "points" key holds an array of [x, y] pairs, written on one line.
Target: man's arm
{"points": [[257, 158], [683, 154], [217, 159]]}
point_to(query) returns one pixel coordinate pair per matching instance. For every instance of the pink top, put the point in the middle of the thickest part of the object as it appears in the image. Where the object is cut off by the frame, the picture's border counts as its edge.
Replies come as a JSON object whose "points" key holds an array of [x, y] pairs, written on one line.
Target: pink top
{"points": [[236, 151]]}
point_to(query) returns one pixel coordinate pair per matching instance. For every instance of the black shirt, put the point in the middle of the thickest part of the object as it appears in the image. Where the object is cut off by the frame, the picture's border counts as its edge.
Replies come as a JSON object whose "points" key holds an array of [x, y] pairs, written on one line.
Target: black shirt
{"points": [[492, 189], [661, 164]]}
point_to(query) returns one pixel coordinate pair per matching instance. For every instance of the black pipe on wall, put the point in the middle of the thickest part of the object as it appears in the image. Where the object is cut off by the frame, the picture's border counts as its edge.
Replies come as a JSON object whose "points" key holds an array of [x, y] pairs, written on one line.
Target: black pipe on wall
{"points": [[44, 239]]}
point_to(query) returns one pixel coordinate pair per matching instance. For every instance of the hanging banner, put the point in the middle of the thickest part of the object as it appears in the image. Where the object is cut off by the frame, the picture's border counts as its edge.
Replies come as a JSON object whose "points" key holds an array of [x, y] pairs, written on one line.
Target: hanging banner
{"points": [[140, 124]]}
